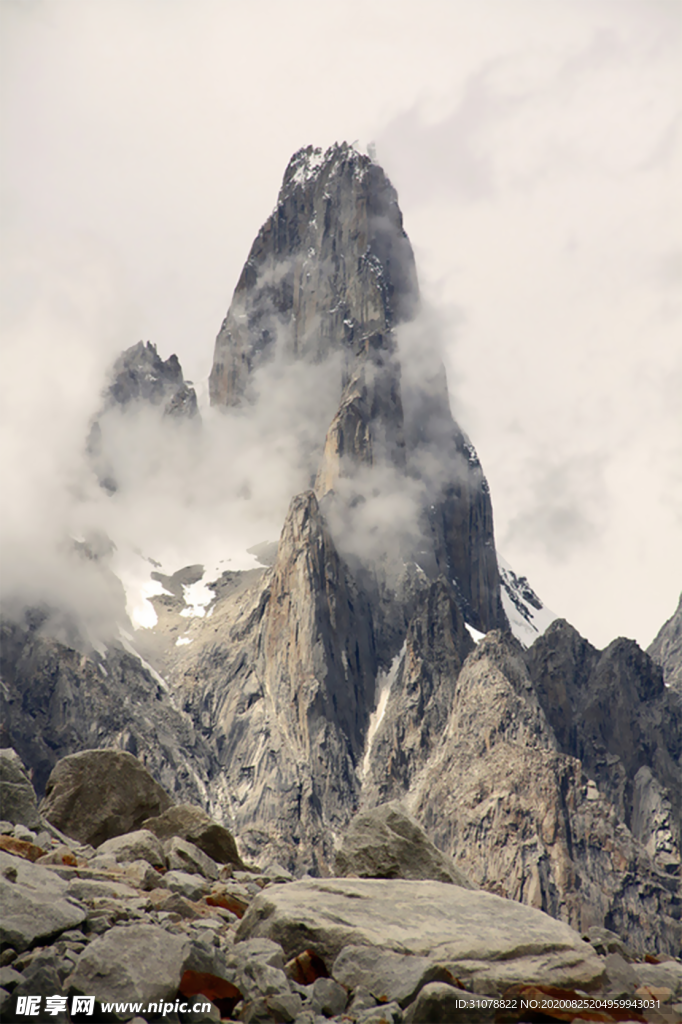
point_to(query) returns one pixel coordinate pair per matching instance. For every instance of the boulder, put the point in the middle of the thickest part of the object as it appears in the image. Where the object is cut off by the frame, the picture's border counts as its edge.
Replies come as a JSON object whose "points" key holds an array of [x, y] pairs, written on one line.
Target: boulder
{"points": [[387, 842], [665, 975], [387, 976], [488, 942], [185, 856], [41, 976], [387, 1013], [35, 904], [143, 961], [17, 800], [328, 998], [139, 845], [98, 794], [442, 1004], [192, 887], [141, 875], [88, 890], [191, 823]]}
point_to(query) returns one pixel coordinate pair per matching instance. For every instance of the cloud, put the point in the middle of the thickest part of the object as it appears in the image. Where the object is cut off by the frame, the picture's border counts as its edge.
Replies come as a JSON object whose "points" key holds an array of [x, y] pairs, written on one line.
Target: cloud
{"points": [[565, 507]]}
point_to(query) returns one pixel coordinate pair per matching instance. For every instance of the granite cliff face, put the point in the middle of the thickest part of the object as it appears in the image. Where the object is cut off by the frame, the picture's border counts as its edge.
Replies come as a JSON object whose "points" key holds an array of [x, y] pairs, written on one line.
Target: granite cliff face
{"points": [[281, 680], [666, 649], [55, 701], [331, 277], [348, 672], [512, 797]]}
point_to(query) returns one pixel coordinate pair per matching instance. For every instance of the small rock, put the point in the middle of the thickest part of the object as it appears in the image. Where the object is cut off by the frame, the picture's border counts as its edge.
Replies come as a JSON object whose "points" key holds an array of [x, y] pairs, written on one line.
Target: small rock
{"points": [[192, 887], [177, 904], [306, 968], [387, 1013], [603, 941], [328, 997], [9, 978], [389, 976], [620, 978], [59, 855], [362, 1000], [86, 889], [197, 827], [256, 978], [438, 1003], [665, 975], [284, 1006], [41, 977], [17, 799], [264, 950], [279, 1008], [141, 959], [73, 935], [21, 848], [226, 898], [103, 862], [34, 902], [185, 856], [142, 875], [277, 874], [139, 845]]}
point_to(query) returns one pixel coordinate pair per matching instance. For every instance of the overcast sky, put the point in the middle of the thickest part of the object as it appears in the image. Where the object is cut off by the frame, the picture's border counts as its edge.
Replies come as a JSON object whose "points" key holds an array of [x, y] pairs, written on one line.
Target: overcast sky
{"points": [[535, 146]]}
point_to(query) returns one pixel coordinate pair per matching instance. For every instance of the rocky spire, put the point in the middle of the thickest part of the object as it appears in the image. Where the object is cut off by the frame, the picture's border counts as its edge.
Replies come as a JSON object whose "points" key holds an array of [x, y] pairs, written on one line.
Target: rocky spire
{"points": [[140, 381], [331, 266], [331, 276]]}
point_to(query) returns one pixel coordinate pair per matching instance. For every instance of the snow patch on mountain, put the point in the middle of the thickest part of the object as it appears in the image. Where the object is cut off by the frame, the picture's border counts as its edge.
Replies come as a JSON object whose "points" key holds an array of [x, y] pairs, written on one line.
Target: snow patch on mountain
{"points": [[384, 684], [134, 571], [475, 634], [528, 616]]}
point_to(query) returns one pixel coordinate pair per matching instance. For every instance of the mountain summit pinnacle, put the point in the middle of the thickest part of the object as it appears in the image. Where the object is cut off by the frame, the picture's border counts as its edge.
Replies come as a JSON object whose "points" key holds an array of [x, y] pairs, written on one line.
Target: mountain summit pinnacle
{"points": [[331, 280]]}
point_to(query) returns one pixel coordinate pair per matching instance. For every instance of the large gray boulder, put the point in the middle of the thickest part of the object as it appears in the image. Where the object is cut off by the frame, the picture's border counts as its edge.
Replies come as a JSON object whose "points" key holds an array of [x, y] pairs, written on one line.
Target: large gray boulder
{"points": [[144, 960], [98, 794], [194, 825], [387, 842], [35, 904], [488, 942], [17, 799]]}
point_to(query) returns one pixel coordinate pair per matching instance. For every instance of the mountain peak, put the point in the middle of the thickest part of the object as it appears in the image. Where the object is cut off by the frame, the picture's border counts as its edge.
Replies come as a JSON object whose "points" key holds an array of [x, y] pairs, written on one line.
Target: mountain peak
{"points": [[329, 266]]}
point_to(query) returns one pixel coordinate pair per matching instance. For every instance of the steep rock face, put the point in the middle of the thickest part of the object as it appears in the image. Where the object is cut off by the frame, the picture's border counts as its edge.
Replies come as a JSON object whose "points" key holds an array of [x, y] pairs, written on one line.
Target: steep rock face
{"points": [[282, 675], [520, 818], [325, 669], [666, 649], [611, 710], [331, 275], [528, 616], [55, 701], [331, 265], [367, 429], [420, 694]]}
